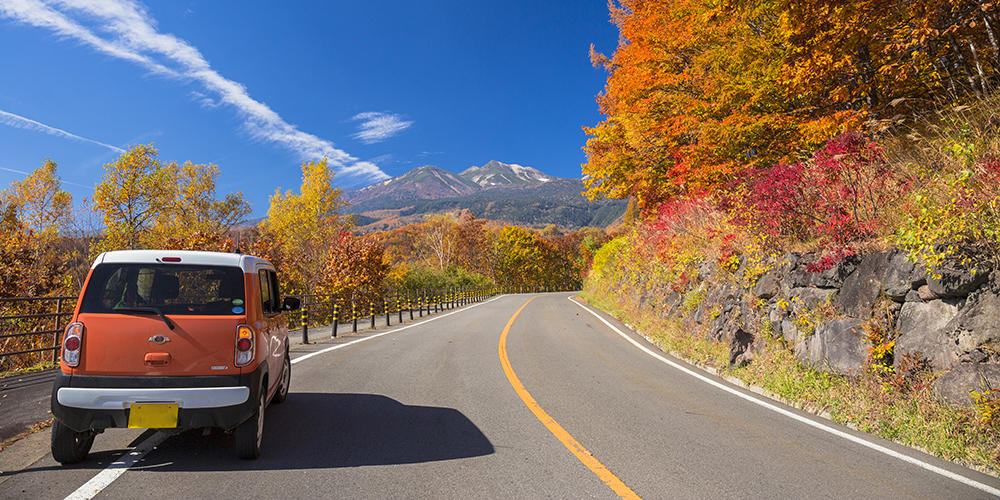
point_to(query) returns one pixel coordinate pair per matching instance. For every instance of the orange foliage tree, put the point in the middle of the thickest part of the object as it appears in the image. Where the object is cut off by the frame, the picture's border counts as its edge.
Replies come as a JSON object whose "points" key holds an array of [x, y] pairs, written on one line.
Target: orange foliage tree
{"points": [[698, 91]]}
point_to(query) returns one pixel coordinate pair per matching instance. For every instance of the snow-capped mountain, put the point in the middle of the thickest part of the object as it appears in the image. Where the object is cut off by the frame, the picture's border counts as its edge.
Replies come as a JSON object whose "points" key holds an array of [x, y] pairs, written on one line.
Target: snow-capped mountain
{"points": [[499, 191]]}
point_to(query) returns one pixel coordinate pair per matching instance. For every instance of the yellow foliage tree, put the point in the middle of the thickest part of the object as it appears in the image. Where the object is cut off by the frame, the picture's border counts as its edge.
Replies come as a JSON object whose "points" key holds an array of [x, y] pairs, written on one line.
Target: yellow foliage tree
{"points": [[132, 194], [303, 225], [193, 218], [40, 202], [438, 240]]}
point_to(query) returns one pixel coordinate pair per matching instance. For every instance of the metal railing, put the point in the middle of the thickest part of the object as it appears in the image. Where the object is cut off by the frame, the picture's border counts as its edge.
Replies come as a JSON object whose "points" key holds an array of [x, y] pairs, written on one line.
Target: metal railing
{"points": [[30, 327], [349, 312]]}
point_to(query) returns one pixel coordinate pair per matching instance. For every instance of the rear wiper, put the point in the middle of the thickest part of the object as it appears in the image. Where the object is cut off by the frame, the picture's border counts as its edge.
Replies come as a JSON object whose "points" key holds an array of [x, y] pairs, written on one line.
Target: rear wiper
{"points": [[148, 309]]}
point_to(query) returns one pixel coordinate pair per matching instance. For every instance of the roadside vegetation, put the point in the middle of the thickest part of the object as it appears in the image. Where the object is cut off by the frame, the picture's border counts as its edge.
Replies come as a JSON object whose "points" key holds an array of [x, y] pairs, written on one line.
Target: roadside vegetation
{"points": [[47, 243], [741, 131]]}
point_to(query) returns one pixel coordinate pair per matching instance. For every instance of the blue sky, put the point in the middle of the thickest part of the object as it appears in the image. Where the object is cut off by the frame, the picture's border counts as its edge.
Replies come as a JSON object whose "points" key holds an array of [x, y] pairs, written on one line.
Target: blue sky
{"points": [[379, 87]]}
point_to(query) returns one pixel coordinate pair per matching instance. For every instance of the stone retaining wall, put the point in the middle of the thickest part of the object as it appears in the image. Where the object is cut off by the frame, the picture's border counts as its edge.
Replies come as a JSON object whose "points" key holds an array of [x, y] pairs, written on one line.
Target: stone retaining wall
{"points": [[951, 319]]}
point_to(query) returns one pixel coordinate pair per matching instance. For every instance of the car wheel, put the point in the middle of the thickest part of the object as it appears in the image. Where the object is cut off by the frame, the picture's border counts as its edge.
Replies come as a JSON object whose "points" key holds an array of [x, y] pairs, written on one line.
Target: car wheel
{"points": [[250, 433], [286, 381], [69, 446]]}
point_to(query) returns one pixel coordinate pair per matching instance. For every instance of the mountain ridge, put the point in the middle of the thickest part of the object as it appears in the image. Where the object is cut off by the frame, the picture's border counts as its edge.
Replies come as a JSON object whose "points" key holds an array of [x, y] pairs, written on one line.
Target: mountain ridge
{"points": [[500, 191]]}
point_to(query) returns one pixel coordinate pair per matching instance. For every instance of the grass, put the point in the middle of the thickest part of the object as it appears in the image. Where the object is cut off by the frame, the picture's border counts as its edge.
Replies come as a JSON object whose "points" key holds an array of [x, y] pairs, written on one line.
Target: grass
{"points": [[44, 365], [669, 335], [911, 416]]}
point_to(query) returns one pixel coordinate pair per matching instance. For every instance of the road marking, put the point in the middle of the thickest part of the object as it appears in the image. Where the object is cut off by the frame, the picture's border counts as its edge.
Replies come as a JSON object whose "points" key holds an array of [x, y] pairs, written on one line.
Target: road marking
{"points": [[818, 425], [341, 346], [91, 488], [567, 440], [103, 479]]}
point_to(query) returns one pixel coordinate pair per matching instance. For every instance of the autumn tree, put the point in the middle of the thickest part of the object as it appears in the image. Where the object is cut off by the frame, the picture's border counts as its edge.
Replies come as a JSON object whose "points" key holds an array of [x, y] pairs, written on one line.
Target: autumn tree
{"points": [[518, 255], [132, 194], [145, 203], [691, 96], [36, 211], [25, 271], [701, 91], [40, 202], [438, 240], [473, 244], [355, 264], [192, 217], [302, 226], [886, 59]]}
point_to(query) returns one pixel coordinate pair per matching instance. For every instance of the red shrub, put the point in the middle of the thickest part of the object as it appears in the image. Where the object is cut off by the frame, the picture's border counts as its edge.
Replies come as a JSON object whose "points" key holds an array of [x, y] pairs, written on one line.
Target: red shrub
{"points": [[838, 197]]}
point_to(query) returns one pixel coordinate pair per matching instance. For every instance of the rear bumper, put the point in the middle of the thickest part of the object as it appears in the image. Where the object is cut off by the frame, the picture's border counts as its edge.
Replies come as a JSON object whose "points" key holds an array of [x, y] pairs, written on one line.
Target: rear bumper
{"points": [[117, 399], [93, 402]]}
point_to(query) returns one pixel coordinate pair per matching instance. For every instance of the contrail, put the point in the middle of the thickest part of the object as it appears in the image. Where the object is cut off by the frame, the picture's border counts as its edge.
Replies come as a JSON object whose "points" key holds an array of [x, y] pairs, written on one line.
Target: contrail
{"points": [[19, 121], [22, 172], [125, 30]]}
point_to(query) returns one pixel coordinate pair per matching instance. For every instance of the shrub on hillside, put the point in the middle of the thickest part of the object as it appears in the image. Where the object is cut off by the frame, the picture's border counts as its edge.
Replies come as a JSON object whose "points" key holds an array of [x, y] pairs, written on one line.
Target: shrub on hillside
{"points": [[839, 197], [955, 212]]}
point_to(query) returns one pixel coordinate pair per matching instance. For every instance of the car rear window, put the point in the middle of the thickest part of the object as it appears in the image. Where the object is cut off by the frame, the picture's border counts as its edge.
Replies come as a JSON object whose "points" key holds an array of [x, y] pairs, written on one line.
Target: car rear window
{"points": [[170, 288]]}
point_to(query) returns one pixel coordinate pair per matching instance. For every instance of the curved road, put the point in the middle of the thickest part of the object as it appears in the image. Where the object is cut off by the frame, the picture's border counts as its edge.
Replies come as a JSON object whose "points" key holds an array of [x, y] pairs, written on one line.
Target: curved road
{"points": [[429, 411]]}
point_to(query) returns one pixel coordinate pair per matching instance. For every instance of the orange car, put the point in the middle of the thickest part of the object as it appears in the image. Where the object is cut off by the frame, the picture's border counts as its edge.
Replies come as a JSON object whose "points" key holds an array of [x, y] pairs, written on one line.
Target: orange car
{"points": [[172, 340]]}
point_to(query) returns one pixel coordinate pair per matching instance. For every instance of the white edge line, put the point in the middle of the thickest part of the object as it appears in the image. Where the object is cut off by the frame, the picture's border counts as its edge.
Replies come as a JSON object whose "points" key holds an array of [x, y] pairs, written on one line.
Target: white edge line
{"points": [[103, 479], [818, 425], [341, 346]]}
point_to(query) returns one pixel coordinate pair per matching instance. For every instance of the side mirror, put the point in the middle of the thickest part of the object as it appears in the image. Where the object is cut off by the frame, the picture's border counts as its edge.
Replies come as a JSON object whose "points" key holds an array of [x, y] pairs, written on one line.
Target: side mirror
{"points": [[291, 304]]}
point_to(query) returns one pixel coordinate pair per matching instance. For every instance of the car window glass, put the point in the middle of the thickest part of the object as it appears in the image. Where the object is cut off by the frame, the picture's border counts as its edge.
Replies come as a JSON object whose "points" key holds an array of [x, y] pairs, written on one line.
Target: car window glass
{"points": [[275, 294], [266, 301], [171, 288]]}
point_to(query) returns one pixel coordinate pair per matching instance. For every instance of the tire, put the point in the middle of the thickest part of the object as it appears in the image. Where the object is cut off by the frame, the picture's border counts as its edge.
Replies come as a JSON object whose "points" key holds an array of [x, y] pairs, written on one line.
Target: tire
{"points": [[250, 433], [286, 381], [69, 446]]}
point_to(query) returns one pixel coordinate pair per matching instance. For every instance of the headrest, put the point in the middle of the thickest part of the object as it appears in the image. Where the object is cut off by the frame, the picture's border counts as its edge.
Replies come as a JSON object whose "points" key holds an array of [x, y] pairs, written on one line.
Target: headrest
{"points": [[166, 287]]}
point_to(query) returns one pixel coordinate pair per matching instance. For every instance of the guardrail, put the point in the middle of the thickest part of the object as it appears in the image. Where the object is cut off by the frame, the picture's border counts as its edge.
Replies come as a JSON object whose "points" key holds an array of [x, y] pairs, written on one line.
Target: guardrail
{"points": [[31, 328], [351, 309]]}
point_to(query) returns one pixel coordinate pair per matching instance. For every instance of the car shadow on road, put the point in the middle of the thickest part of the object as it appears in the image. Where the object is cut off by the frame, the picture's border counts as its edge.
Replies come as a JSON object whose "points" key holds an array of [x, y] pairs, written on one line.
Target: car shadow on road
{"points": [[317, 430]]}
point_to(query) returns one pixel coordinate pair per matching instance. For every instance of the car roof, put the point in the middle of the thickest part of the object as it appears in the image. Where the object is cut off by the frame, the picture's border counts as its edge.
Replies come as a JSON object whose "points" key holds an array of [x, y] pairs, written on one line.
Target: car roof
{"points": [[248, 263]]}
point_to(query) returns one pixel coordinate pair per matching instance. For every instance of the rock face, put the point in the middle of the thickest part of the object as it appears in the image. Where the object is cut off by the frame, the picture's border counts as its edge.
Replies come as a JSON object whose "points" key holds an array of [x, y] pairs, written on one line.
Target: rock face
{"points": [[955, 282], [955, 385], [836, 347], [767, 286], [738, 348], [833, 277], [900, 276], [810, 297], [952, 321], [922, 329], [977, 328], [862, 287]]}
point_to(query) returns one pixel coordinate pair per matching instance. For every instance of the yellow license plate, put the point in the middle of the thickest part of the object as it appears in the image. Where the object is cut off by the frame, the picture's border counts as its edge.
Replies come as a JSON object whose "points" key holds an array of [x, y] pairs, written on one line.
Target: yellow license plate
{"points": [[152, 416]]}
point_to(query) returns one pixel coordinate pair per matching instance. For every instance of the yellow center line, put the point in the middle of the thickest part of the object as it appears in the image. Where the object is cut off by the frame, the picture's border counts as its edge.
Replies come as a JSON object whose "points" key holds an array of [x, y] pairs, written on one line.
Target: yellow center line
{"points": [[557, 430]]}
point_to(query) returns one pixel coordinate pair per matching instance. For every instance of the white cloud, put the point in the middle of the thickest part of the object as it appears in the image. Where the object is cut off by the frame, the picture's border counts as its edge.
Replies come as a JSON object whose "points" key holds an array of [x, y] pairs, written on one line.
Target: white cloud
{"points": [[376, 127], [123, 29], [19, 121]]}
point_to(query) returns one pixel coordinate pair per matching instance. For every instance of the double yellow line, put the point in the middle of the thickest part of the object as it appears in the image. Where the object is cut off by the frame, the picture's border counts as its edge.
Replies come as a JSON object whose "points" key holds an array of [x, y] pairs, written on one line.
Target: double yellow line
{"points": [[557, 430]]}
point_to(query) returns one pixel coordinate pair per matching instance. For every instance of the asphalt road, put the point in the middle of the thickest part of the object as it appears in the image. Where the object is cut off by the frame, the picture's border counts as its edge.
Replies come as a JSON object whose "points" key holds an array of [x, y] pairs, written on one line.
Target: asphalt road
{"points": [[429, 412]]}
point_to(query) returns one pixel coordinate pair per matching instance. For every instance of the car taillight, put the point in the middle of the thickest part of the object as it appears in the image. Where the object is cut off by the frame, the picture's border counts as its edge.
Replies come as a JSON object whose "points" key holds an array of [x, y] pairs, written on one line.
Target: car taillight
{"points": [[244, 345], [72, 342]]}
